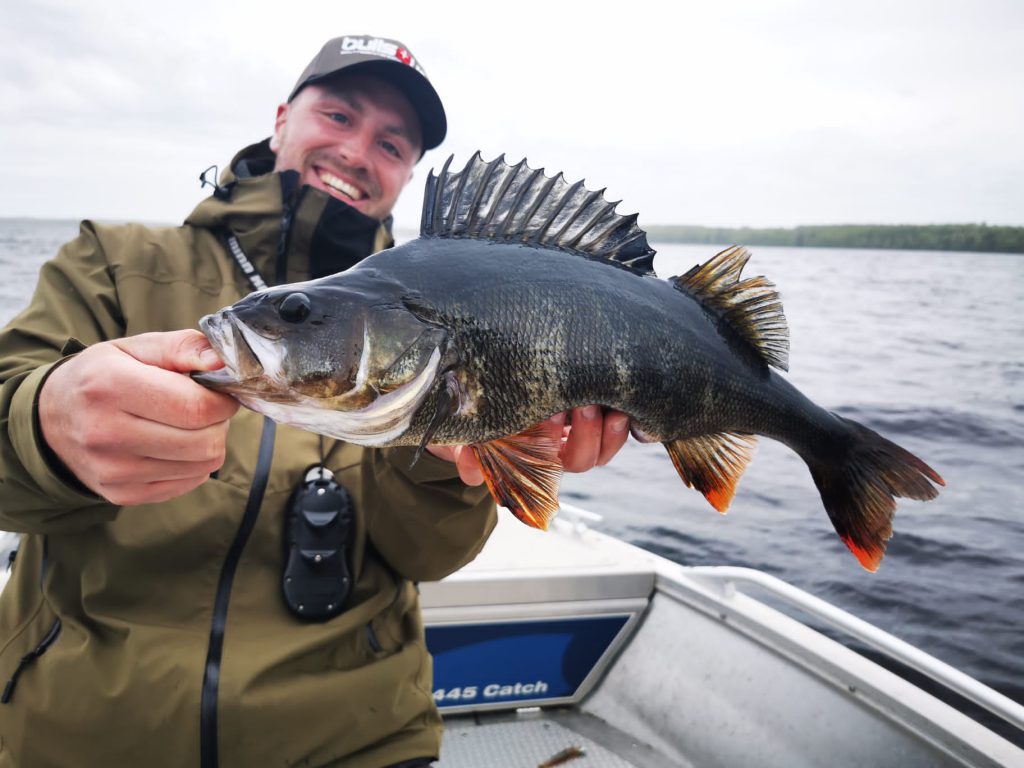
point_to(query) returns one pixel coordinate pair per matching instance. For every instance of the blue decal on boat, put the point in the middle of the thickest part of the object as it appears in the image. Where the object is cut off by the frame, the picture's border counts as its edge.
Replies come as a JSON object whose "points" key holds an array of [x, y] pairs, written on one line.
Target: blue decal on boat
{"points": [[517, 661]]}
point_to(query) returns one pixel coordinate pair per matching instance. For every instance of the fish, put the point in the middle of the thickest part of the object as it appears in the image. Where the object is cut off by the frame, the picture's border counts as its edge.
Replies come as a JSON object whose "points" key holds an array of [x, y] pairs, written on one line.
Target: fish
{"points": [[525, 296]]}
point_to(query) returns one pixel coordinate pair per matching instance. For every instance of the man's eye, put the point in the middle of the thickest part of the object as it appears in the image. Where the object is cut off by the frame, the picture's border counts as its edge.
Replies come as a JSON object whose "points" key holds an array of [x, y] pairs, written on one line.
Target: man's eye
{"points": [[339, 117], [391, 149]]}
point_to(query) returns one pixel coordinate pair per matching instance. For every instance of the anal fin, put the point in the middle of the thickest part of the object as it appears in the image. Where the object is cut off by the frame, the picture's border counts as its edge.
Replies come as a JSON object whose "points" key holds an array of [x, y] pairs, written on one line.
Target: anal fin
{"points": [[712, 464], [523, 472]]}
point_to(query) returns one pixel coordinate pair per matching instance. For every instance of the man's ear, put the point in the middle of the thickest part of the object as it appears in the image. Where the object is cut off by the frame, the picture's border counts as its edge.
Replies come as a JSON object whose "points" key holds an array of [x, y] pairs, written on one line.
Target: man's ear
{"points": [[279, 124]]}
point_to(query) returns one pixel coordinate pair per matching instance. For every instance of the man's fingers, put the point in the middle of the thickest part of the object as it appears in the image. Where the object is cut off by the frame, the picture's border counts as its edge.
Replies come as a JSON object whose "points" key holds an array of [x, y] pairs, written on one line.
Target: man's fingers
{"points": [[124, 418], [112, 375], [468, 465], [129, 495], [174, 399], [614, 436], [130, 472], [465, 460], [181, 351], [152, 440], [584, 444], [593, 439]]}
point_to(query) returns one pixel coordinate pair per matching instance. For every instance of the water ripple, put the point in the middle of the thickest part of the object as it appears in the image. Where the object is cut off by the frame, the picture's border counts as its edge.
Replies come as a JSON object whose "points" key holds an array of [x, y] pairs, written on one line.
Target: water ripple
{"points": [[937, 424]]}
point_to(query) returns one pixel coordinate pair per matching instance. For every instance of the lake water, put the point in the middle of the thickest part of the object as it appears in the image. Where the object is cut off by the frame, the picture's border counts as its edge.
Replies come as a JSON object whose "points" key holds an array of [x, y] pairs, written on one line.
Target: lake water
{"points": [[926, 348]]}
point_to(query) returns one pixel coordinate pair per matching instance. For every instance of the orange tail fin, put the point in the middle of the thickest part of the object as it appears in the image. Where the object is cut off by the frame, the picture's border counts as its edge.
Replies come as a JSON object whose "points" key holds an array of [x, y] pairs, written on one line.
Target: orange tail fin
{"points": [[859, 487]]}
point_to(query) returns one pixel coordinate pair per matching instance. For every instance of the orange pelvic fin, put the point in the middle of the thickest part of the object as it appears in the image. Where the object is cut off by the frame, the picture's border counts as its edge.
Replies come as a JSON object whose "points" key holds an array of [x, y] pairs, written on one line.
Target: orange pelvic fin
{"points": [[523, 472], [713, 464]]}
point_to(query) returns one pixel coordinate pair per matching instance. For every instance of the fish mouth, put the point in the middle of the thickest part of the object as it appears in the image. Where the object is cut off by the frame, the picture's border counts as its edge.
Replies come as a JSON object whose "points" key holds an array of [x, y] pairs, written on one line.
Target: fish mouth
{"points": [[363, 413], [379, 422], [247, 355]]}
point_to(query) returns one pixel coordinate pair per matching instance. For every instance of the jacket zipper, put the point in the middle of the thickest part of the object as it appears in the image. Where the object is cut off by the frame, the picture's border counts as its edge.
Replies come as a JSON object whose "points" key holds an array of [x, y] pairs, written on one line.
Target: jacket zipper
{"points": [[208, 746], [48, 639], [29, 658], [211, 672]]}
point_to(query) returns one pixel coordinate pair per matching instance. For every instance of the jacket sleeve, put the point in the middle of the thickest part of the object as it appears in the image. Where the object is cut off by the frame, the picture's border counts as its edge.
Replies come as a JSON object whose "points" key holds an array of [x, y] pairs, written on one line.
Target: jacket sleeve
{"points": [[427, 523], [74, 299]]}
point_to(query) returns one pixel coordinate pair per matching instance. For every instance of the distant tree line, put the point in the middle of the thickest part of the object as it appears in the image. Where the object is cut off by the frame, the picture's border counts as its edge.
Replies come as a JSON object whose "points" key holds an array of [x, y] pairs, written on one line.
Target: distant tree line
{"points": [[931, 237]]}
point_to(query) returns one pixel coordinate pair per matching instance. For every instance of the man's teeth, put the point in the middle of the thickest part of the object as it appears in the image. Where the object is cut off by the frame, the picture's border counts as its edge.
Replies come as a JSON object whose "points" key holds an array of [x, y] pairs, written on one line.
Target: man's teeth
{"points": [[342, 186]]}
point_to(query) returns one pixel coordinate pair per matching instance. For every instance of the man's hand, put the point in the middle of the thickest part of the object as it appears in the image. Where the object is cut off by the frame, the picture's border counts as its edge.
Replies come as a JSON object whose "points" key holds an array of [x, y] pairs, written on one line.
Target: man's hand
{"points": [[129, 424], [592, 439]]}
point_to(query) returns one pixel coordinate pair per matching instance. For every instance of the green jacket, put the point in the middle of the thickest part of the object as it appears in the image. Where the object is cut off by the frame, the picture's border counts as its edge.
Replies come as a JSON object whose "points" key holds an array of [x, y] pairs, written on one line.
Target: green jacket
{"points": [[120, 681]]}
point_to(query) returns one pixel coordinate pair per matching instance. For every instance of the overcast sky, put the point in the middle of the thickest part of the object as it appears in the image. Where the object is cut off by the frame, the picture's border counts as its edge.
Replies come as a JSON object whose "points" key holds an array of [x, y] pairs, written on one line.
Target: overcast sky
{"points": [[723, 113]]}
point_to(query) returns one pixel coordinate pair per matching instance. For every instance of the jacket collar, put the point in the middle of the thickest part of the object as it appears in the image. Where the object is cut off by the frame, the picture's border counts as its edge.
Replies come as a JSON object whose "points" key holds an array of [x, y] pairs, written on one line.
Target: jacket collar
{"points": [[290, 233]]}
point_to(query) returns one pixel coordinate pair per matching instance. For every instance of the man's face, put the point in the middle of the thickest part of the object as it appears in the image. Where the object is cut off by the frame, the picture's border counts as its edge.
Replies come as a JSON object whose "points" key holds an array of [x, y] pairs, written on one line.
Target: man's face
{"points": [[356, 138]]}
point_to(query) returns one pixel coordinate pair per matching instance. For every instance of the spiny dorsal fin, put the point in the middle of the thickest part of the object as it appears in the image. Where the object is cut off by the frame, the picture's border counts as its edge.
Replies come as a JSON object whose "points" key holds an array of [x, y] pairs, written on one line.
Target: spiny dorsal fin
{"points": [[514, 203], [712, 464], [751, 307]]}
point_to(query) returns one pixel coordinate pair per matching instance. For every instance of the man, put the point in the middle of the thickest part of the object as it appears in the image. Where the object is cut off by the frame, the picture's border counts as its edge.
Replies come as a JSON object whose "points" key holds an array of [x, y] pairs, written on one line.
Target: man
{"points": [[144, 623]]}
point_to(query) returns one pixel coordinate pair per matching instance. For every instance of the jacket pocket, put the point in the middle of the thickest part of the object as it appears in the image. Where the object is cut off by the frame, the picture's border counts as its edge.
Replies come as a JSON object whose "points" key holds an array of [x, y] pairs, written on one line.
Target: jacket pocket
{"points": [[30, 658]]}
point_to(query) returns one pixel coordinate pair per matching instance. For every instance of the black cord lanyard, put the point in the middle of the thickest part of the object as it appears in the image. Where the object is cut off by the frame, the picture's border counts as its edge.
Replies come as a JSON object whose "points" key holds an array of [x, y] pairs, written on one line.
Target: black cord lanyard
{"points": [[253, 275]]}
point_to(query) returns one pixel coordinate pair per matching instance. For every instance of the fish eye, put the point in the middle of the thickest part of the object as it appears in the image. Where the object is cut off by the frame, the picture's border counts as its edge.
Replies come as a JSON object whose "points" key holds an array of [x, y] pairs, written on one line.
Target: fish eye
{"points": [[295, 308]]}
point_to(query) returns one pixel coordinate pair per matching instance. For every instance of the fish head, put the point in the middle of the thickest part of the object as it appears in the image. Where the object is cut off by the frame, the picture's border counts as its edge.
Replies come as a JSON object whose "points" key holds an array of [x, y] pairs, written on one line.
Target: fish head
{"points": [[330, 346]]}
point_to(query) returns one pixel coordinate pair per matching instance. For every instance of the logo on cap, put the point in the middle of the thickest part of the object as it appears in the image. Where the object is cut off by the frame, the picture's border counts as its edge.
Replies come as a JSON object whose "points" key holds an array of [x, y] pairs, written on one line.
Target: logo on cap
{"points": [[378, 46]]}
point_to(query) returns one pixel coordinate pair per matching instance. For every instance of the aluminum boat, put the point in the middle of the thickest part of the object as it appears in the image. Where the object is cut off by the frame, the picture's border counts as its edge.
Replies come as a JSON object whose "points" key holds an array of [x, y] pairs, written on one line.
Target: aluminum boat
{"points": [[570, 647]]}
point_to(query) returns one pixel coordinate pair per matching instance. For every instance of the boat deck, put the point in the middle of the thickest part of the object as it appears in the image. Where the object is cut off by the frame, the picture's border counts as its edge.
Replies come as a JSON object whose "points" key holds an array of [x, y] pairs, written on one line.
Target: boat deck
{"points": [[526, 739]]}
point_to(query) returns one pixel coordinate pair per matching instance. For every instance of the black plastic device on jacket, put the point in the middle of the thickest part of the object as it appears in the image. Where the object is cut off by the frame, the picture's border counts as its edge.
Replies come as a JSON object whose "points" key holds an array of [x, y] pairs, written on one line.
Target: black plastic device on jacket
{"points": [[318, 533]]}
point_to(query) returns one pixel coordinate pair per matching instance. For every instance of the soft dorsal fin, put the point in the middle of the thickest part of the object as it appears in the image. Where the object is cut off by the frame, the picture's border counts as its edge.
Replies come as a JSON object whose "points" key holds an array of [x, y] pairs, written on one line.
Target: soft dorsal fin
{"points": [[514, 203], [751, 307]]}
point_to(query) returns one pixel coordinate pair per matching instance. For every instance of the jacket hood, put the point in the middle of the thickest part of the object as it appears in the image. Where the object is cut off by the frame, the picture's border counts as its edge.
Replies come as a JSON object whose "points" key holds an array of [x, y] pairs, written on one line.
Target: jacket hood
{"points": [[290, 232]]}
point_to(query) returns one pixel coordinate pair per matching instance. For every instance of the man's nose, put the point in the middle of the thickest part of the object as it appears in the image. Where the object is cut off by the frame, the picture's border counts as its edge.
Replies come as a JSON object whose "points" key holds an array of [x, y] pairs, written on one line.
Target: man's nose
{"points": [[354, 148]]}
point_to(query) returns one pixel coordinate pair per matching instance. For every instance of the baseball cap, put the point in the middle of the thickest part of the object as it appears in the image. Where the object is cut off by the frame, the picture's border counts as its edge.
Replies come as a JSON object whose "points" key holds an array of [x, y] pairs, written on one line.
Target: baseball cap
{"points": [[392, 62]]}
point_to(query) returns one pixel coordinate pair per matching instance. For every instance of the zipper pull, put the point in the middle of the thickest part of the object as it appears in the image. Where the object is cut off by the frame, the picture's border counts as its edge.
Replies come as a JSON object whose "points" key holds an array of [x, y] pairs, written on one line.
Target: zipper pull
{"points": [[27, 660]]}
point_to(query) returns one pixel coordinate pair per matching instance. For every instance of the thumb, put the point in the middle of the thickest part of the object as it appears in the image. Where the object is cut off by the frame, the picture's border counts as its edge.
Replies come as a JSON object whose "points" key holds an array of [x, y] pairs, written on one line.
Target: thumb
{"points": [[180, 351], [470, 470]]}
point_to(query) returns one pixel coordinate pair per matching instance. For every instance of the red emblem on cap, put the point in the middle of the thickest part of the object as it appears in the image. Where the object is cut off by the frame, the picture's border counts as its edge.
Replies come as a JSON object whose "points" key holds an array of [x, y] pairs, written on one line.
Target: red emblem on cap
{"points": [[403, 56]]}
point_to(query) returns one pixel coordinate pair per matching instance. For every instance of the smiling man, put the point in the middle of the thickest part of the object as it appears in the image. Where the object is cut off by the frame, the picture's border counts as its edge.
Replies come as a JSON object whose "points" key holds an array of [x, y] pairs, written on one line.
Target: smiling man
{"points": [[160, 591], [356, 139]]}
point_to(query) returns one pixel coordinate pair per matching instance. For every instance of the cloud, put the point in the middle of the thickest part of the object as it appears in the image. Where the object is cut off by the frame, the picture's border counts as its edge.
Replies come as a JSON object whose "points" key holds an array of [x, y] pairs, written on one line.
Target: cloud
{"points": [[737, 112]]}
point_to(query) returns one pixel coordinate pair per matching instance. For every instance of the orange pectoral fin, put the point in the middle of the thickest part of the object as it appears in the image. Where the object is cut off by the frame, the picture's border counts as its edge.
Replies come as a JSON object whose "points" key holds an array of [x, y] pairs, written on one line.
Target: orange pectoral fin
{"points": [[523, 472]]}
